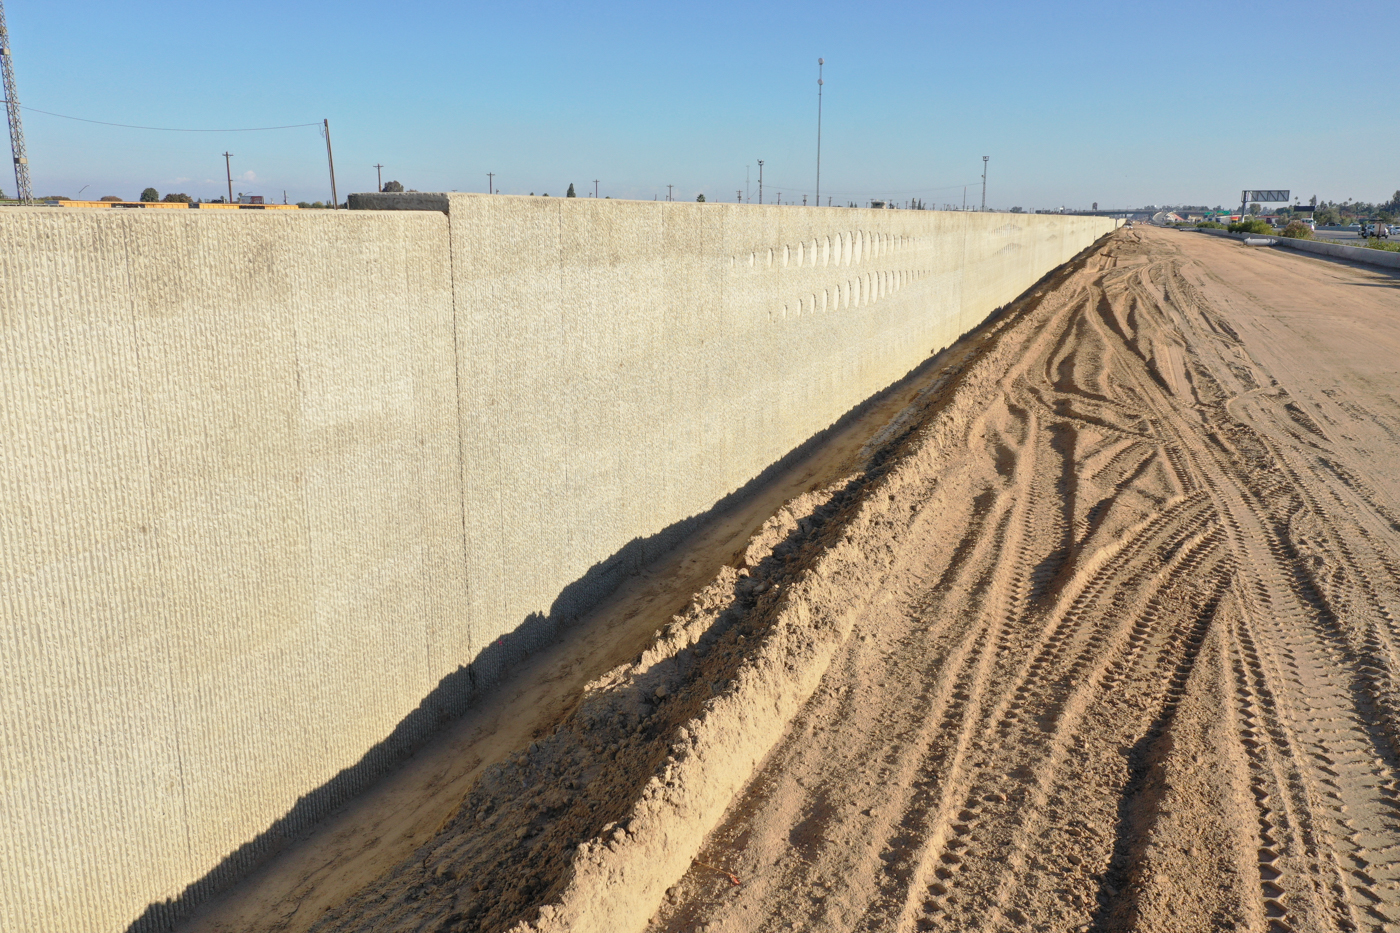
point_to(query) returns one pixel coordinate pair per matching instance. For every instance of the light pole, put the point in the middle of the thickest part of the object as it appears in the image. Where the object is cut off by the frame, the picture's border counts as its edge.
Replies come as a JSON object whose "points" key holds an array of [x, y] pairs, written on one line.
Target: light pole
{"points": [[330, 161], [984, 182], [668, 191], [820, 63], [379, 173], [595, 188], [760, 181], [490, 182], [228, 173]]}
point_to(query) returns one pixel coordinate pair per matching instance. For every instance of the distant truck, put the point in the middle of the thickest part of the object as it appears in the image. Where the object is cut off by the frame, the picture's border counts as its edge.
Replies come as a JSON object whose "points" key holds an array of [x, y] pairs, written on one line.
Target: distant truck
{"points": [[250, 199]]}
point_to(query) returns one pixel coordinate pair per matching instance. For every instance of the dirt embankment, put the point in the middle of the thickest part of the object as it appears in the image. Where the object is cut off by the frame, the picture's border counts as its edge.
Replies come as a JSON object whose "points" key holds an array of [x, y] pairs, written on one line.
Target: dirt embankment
{"points": [[1103, 636]]}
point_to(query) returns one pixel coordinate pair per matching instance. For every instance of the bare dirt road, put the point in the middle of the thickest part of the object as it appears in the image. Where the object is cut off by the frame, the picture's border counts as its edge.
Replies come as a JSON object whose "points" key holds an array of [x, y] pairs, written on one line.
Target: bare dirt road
{"points": [[1102, 634]]}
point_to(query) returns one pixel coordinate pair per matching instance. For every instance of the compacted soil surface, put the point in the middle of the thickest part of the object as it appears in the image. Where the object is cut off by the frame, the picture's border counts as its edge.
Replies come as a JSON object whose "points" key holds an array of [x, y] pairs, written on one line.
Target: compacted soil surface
{"points": [[1101, 633]]}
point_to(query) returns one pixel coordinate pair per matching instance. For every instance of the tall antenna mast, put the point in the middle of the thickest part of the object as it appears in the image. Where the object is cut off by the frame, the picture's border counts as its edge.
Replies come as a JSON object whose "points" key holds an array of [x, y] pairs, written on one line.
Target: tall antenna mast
{"points": [[25, 192], [820, 63]]}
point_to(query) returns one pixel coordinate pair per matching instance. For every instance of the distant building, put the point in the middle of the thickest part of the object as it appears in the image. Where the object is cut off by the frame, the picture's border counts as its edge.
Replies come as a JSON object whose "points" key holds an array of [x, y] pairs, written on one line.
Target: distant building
{"points": [[250, 199]]}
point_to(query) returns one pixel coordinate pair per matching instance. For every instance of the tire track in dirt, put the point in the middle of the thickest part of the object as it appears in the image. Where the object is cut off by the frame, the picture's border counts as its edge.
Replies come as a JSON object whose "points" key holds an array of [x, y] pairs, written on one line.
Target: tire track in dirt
{"points": [[1166, 524]]}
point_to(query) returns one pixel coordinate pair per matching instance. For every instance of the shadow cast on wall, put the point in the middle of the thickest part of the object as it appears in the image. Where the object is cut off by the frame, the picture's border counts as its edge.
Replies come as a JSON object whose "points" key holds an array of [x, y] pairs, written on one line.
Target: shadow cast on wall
{"points": [[475, 683]]}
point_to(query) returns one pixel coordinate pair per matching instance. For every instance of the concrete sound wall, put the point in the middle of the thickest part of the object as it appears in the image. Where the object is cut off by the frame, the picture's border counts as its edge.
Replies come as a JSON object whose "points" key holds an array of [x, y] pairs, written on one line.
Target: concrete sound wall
{"points": [[280, 492]]}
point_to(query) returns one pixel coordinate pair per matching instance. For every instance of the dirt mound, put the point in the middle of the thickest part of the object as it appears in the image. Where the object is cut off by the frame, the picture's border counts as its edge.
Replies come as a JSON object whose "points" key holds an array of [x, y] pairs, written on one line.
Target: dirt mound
{"points": [[1138, 667]]}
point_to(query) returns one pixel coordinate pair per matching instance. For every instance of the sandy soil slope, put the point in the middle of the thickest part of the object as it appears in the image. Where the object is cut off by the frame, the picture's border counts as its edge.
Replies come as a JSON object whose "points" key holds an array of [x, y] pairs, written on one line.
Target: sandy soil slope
{"points": [[1140, 668], [1100, 634]]}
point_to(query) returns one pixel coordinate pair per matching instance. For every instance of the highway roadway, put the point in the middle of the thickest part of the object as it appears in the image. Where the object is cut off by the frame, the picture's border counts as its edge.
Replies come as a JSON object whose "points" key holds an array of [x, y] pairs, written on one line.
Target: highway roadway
{"points": [[1338, 234]]}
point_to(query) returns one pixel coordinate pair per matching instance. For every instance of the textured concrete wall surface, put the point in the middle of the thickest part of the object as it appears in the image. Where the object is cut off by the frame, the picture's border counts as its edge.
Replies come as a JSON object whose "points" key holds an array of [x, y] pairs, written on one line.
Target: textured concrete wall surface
{"points": [[281, 491]]}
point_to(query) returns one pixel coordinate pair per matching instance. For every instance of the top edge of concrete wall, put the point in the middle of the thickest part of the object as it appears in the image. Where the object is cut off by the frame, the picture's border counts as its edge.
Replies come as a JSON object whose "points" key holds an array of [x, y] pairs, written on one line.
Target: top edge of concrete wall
{"points": [[442, 200]]}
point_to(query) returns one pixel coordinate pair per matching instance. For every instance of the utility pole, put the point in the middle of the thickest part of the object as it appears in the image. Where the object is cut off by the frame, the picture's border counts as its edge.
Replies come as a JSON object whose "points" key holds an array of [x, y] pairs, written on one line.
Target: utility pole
{"points": [[820, 63], [739, 197], [330, 161], [595, 187], [379, 176], [668, 191], [228, 173], [23, 191], [490, 182], [760, 181], [984, 182], [964, 197]]}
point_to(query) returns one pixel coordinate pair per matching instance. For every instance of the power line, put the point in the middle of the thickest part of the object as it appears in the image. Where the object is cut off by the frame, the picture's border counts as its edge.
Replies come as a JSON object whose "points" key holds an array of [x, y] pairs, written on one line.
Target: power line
{"points": [[900, 193], [170, 129]]}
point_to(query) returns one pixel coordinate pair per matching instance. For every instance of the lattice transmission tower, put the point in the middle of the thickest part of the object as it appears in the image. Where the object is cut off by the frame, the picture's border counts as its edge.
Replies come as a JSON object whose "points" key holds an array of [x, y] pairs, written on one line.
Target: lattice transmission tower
{"points": [[25, 192]]}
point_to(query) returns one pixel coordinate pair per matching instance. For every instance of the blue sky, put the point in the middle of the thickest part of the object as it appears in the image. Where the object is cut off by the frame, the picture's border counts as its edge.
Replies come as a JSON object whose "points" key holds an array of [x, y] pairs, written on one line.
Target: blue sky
{"points": [[1123, 103]]}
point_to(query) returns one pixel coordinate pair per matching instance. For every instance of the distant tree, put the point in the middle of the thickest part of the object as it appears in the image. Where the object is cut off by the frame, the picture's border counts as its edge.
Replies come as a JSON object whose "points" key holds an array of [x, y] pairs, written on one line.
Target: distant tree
{"points": [[304, 204], [1255, 208], [59, 197], [173, 198], [545, 195], [108, 197], [1017, 210], [317, 205], [1313, 202], [150, 194], [391, 187], [700, 198], [1328, 215], [571, 191]]}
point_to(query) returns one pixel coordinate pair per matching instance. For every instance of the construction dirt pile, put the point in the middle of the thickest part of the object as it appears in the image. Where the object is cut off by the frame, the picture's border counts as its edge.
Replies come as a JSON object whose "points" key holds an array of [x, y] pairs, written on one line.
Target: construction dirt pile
{"points": [[1102, 635]]}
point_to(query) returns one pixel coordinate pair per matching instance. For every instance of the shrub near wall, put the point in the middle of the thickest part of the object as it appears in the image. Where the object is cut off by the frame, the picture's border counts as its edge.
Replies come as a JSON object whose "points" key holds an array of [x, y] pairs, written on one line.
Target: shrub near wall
{"points": [[1253, 225]]}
